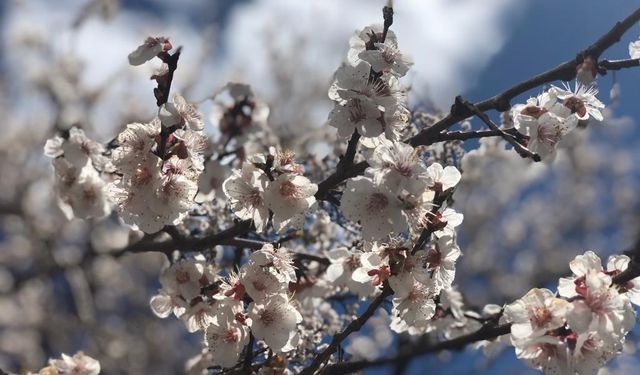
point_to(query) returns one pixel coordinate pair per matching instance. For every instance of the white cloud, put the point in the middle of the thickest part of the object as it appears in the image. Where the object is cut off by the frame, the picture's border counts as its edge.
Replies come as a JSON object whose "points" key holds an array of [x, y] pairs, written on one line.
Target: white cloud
{"points": [[304, 41], [450, 41]]}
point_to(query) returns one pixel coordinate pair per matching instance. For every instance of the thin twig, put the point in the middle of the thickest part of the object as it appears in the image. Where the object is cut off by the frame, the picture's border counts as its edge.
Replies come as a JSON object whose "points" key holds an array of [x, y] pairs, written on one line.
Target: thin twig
{"points": [[520, 149], [248, 357], [618, 64], [354, 326]]}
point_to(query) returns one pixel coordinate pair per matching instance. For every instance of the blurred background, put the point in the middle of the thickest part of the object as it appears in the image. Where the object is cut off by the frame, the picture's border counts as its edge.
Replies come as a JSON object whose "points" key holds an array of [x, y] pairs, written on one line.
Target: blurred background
{"points": [[64, 63]]}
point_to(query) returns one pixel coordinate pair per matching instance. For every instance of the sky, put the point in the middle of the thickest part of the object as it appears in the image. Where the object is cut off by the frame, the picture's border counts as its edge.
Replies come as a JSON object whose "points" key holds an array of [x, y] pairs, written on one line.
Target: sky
{"points": [[469, 47]]}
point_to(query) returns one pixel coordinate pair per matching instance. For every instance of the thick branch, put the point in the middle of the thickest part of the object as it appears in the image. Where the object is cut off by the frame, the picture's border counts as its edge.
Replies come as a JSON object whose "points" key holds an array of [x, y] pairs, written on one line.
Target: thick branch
{"points": [[563, 72], [347, 160], [352, 327], [338, 177], [487, 332], [226, 237]]}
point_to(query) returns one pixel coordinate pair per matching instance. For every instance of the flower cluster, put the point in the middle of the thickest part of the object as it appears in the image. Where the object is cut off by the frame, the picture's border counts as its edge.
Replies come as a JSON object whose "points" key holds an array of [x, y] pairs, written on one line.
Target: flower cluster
{"points": [[158, 164], [80, 189], [398, 192], [367, 94], [78, 364], [581, 327], [271, 183], [549, 117], [254, 300]]}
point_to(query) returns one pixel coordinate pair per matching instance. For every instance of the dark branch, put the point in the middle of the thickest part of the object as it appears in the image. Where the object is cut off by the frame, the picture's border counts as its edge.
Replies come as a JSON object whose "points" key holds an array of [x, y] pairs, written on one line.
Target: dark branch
{"points": [[226, 237], [248, 356], [501, 102], [164, 82], [347, 160], [520, 149], [618, 64], [563, 72], [352, 327], [487, 332]]}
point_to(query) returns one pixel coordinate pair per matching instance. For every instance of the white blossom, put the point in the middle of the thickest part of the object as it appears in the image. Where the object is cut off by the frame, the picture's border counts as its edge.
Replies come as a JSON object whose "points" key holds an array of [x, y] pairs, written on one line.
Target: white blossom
{"points": [[180, 113], [279, 259], [183, 278], [151, 47], [275, 321], [262, 282], [396, 166], [226, 339], [289, 196], [373, 269], [343, 263], [378, 210], [617, 264], [634, 49], [78, 364], [536, 313], [582, 101], [442, 179], [438, 262], [387, 57], [415, 305], [245, 189]]}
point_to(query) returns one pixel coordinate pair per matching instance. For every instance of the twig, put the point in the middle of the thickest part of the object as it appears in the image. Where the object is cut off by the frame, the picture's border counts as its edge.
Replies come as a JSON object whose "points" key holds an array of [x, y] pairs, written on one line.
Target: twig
{"points": [[487, 332], [193, 244], [347, 160], [520, 149], [248, 357], [352, 327], [618, 64], [164, 85]]}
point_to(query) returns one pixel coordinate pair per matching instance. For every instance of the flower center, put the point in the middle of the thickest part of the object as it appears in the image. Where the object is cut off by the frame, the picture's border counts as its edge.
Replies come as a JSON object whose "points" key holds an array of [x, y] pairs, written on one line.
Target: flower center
{"points": [[267, 317], [377, 202], [142, 176], [548, 134], [540, 316], [182, 277], [433, 258], [533, 111], [254, 198], [289, 190], [356, 112], [230, 336], [89, 194]]}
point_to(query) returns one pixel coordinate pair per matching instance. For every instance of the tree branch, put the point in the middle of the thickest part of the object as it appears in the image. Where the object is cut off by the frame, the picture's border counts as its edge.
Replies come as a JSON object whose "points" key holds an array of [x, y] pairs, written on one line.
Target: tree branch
{"points": [[618, 64], [487, 332], [490, 330], [520, 149], [354, 326], [563, 72]]}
